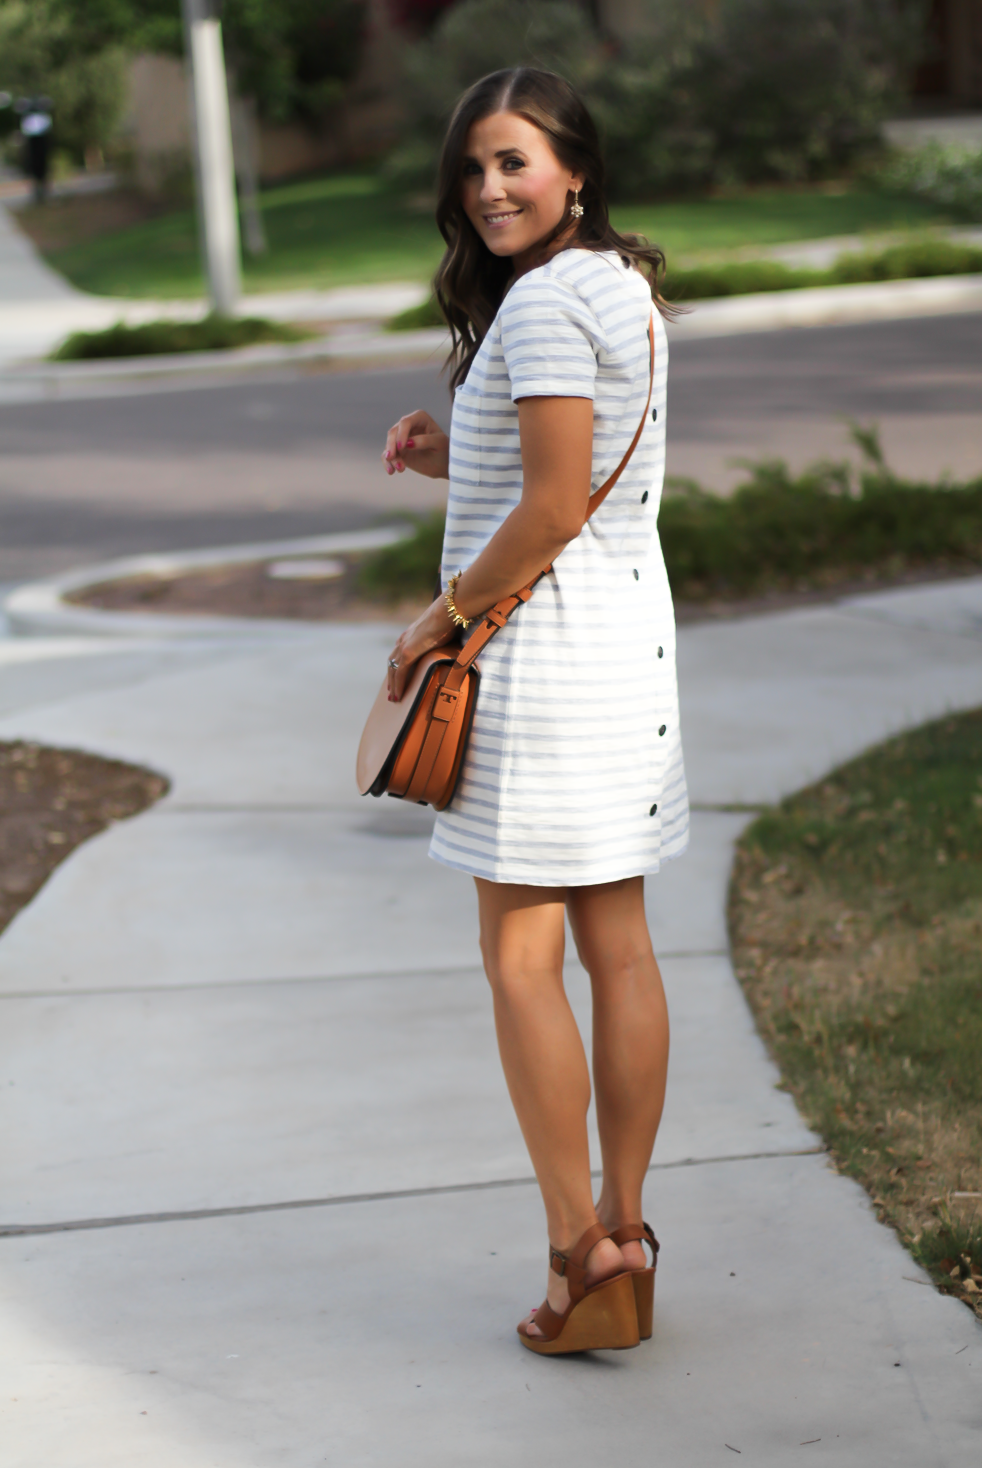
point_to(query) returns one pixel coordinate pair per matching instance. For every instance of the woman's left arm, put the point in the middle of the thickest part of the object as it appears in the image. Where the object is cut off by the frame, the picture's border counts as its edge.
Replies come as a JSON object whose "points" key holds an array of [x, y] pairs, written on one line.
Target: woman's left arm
{"points": [[557, 457]]}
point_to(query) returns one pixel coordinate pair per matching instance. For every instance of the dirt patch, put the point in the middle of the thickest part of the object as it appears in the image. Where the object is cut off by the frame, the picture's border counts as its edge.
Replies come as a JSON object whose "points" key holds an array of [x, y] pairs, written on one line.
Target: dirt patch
{"points": [[249, 590], [71, 221], [51, 800]]}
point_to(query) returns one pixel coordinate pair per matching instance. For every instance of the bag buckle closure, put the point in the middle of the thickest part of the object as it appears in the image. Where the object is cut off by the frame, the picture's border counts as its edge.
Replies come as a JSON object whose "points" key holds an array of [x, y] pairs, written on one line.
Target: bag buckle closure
{"points": [[446, 704]]}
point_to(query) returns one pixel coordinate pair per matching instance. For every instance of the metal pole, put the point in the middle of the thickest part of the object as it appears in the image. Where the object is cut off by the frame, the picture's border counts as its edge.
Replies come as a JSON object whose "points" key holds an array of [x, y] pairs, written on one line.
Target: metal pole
{"points": [[215, 170]]}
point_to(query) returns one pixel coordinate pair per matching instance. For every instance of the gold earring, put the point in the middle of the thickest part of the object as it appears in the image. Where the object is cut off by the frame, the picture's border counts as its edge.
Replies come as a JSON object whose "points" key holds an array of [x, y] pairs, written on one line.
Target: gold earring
{"points": [[576, 208]]}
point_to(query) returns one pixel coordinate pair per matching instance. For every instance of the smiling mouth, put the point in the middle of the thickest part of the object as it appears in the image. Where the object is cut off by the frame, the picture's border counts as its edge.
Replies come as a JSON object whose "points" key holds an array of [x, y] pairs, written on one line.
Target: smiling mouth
{"points": [[495, 221]]}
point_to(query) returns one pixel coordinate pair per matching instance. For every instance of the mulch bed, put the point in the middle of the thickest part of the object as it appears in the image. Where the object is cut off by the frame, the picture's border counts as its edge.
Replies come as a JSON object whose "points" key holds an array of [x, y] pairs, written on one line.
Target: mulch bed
{"points": [[51, 800], [71, 220], [247, 590]]}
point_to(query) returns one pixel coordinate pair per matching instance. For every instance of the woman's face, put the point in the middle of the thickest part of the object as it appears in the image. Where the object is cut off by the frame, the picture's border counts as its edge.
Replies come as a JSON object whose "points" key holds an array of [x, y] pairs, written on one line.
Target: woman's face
{"points": [[514, 189]]}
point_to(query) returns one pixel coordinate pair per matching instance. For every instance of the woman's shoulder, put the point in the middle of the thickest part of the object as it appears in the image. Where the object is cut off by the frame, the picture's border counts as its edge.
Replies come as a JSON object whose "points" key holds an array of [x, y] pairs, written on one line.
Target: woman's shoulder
{"points": [[599, 279], [573, 284]]}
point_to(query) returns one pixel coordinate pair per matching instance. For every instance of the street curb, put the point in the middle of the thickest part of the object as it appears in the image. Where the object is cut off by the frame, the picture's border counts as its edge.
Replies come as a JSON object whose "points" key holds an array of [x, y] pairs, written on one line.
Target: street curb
{"points": [[732, 315], [830, 305], [39, 609], [41, 381]]}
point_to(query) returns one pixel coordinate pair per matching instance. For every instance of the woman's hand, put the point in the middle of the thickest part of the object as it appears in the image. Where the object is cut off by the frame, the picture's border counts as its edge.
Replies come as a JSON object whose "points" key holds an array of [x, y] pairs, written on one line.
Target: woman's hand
{"points": [[432, 629], [417, 442]]}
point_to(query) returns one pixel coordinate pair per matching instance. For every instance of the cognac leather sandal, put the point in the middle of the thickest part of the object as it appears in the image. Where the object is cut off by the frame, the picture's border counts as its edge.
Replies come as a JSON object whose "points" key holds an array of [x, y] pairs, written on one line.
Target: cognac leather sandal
{"points": [[600, 1317], [642, 1279]]}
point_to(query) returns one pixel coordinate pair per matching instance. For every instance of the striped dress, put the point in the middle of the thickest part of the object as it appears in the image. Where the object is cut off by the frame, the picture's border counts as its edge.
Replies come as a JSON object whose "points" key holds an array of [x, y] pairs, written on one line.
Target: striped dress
{"points": [[574, 772]]}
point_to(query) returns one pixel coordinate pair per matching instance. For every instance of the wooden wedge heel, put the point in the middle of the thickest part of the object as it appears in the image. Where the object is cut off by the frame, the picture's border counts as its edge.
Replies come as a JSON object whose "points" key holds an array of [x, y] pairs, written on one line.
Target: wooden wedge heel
{"points": [[600, 1317], [642, 1279]]}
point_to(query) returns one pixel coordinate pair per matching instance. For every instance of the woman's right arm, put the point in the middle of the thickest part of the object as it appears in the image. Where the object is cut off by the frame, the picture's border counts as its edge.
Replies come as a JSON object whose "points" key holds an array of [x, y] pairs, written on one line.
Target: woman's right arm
{"points": [[417, 442]]}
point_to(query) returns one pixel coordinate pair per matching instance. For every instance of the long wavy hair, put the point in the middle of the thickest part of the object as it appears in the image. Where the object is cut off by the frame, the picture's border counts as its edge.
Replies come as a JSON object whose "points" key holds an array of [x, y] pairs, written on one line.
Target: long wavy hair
{"points": [[471, 281]]}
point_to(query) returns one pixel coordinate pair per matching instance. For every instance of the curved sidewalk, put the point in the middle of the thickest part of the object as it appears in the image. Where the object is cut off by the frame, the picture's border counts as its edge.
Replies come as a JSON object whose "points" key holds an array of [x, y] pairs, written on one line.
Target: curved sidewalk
{"points": [[264, 1197]]}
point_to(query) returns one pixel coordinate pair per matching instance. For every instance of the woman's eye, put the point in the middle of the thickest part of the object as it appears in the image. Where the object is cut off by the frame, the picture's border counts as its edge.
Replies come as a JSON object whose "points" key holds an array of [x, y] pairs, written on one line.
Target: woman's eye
{"points": [[513, 163], [470, 169]]}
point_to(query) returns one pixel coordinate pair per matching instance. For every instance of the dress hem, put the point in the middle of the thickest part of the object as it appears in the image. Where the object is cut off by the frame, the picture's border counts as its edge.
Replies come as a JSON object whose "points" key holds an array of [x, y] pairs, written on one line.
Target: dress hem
{"points": [[524, 880]]}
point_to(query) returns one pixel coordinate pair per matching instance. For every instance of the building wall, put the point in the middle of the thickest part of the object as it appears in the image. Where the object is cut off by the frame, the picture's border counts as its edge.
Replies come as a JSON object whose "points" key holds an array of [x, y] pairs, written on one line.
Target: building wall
{"points": [[952, 74], [965, 52], [157, 129]]}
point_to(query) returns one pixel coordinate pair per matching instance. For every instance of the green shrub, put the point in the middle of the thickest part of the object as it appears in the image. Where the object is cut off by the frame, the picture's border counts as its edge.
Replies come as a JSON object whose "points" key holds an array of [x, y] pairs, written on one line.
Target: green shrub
{"points": [[916, 258], [470, 39], [768, 89], [776, 532], [908, 261], [214, 334], [779, 532], [409, 568], [417, 318], [43, 50], [704, 282], [948, 176]]}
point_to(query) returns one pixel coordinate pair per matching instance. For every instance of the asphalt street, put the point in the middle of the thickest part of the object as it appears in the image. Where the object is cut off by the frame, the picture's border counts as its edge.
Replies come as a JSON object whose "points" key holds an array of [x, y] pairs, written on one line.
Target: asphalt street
{"points": [[297, 453]]}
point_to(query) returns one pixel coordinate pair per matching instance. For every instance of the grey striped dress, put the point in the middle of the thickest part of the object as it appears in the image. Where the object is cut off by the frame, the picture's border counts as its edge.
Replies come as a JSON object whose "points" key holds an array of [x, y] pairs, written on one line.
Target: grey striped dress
{"points": [[574, 772]]}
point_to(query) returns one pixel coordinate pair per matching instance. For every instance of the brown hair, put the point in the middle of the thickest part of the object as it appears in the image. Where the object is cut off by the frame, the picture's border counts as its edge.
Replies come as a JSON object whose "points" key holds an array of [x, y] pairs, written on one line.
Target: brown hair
{"points": [[470, 282]]}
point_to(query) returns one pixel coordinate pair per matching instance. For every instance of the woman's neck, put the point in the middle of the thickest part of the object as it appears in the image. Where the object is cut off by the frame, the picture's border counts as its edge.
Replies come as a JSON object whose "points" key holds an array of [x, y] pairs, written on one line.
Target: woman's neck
{"points": [[542, 252]]}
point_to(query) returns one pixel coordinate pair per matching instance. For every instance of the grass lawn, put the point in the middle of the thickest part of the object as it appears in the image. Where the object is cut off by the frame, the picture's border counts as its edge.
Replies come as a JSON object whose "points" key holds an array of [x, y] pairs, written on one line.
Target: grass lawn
{"points": [[772, 217], [351, 229], [856, 922]]}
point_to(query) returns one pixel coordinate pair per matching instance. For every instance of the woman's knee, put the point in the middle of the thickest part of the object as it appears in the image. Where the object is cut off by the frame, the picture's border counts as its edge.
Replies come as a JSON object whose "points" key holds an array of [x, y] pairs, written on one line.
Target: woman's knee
{"points": [[516, 972], [521, 937], [610, 930]]}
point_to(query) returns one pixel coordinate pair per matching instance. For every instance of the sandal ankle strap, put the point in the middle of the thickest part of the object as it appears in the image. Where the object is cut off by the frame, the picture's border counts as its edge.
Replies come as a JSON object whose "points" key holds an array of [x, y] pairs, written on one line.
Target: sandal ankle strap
{"points": [[637, 1233], [573, 1265]]}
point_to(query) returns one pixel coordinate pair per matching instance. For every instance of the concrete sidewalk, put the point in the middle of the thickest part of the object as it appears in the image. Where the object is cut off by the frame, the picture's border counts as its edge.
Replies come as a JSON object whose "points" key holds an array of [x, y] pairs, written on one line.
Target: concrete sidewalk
{"points": [[274, 1207]]}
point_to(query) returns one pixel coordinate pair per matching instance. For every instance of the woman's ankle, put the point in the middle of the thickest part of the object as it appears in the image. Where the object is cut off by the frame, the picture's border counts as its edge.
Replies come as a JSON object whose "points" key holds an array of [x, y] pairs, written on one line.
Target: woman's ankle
{"points": [[617, 1213]]}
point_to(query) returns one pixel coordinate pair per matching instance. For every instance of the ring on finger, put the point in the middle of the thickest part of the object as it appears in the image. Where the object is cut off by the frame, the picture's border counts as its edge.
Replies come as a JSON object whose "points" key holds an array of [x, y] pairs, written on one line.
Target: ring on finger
{"points": [[393, 664]]}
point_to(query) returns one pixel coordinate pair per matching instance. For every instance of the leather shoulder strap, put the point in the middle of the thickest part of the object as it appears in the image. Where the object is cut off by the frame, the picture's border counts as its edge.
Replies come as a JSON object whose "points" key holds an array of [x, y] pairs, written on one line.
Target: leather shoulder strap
{"points": [[493, 621]]}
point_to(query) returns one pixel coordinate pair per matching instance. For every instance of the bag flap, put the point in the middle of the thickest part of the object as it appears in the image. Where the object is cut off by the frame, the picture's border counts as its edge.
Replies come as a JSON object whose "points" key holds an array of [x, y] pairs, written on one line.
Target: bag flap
{"points": [[387, 721]]}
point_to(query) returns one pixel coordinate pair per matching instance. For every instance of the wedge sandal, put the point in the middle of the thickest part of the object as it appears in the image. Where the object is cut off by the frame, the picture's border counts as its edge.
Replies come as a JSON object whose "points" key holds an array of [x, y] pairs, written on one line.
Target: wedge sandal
{"points": [[600, 1317], [642, 1279]]}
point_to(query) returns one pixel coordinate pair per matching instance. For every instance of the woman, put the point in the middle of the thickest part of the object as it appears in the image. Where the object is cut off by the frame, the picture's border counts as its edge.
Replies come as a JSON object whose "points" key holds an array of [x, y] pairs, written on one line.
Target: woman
{"points": [[573, 786]]}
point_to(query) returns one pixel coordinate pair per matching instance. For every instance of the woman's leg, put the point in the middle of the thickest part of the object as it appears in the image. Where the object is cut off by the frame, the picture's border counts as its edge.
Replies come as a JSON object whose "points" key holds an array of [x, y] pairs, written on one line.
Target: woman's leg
{"points": [[630, 1041], [522, 941]]}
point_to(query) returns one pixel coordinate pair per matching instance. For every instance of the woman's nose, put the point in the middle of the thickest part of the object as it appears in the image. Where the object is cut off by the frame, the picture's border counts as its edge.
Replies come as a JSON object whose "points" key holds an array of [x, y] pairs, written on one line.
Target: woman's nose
{"points": [[491, 189]]}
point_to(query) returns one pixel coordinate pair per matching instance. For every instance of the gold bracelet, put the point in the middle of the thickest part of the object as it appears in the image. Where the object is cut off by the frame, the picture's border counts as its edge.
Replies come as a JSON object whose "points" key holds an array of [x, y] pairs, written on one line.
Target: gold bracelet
{"points": [[448, 597]]}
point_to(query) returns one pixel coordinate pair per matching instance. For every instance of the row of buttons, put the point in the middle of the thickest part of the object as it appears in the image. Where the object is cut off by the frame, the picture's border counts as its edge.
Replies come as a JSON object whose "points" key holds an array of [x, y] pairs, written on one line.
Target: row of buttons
{"points": [[662, 730], [644, 497], [661, 651]]}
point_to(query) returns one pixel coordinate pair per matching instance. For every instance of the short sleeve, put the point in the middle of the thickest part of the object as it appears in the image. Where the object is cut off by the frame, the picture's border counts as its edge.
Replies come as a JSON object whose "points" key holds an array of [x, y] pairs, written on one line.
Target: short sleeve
{"points": [[550, 339]]}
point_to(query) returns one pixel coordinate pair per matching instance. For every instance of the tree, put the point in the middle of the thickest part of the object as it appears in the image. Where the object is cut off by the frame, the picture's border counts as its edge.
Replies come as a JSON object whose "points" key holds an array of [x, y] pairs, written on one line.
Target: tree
{"points": [[292, 56], [41, 52]]}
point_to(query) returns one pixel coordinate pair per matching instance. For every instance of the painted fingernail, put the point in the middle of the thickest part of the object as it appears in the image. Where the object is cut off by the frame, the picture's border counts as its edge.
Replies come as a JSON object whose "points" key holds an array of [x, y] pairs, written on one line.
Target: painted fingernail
{"points": [[398, 445], [410, 444]]}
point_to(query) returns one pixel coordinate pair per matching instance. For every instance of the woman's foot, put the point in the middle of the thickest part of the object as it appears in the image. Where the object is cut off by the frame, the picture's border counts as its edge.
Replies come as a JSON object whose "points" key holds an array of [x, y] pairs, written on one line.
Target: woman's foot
{"points": [[604, 1260], [634, 1255]]}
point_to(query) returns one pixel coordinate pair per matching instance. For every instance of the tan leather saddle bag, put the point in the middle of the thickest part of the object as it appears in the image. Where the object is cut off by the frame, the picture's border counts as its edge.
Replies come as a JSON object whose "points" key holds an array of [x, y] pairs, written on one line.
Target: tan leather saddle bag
{"points": [[414, 749]]}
